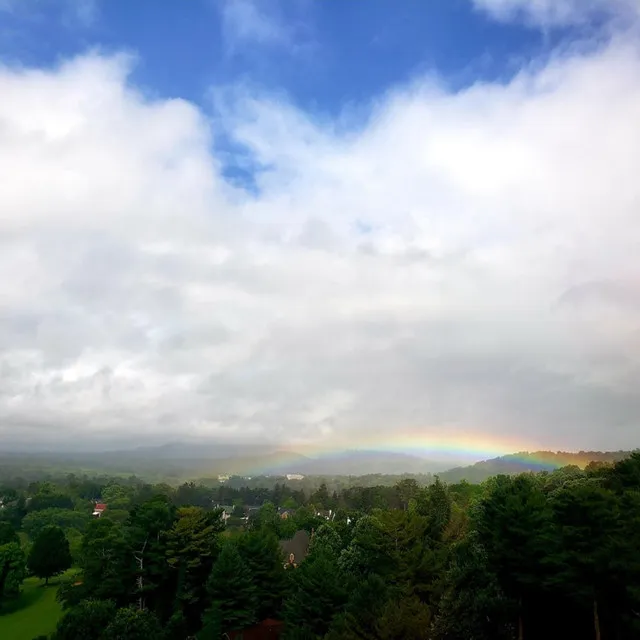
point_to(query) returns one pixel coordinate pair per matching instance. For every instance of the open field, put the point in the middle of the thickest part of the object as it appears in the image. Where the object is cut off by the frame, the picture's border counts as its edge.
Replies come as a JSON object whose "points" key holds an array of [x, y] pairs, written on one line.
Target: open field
{"points": [[36, 612]]}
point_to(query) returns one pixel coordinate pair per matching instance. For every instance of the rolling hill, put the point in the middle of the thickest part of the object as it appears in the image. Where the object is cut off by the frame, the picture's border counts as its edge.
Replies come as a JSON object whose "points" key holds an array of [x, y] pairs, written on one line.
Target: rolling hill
{"points": [[529, 461]]}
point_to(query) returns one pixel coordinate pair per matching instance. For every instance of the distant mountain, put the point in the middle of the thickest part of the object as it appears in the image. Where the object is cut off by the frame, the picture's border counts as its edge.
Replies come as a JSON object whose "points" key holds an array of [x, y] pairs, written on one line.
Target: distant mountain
{"points": [[179, 461], [229, 459], [208, 460], [529, 461], [193, 451], [362, 463]]}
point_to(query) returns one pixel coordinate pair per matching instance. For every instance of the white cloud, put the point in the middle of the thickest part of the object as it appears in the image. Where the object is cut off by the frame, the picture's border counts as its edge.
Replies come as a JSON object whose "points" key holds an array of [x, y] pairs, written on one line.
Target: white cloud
{"points": [[550, 13], [247, 23], [72, 12], [462, 263]]}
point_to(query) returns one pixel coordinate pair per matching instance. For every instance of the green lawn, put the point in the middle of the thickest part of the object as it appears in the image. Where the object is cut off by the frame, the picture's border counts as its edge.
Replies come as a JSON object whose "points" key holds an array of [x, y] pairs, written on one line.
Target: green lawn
{"points": [[34, 613]]}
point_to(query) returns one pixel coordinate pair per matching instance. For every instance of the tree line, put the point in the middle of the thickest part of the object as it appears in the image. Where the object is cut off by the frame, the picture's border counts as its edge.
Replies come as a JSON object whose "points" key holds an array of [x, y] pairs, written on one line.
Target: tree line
{"points": [[532, 556]]}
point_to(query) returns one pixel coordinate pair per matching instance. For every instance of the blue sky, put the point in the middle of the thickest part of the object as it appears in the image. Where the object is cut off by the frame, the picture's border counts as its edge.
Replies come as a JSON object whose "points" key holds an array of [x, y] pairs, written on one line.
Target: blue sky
{"points": [[325, 55], [320, 223]]}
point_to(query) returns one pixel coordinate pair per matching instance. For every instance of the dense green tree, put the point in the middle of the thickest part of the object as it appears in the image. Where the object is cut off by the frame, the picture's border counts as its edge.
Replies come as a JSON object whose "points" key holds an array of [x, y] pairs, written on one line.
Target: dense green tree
{"points": [[404, 619], [560, 477], [370, 551], [588, 528], [88, 619], [75, 545], [434, 503], [86, 488], [464, 493], [599, 559], [626, 564], [290, 503], [8, 534], [34, 522], [318, 591], [304, 518], [120, 516], [513, 523], [262, 555], [133, 624], [13, 511], [213, 623], [232, 594], [118, 496], [49, 498], [108, 569], [267, 519], [12, 570], [416, 561], [50, 554], [191, 494], [191, 549], [545, 556], [360, 617], [326, 539], [146, 536], [624, 476], [320, 497], [472, 605], [407, 490]]}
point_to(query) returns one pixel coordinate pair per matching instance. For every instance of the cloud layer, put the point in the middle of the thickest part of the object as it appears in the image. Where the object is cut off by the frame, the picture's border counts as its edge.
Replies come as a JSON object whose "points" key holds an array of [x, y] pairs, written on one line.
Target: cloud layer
{"points": [[555, 13], [461, 263]]}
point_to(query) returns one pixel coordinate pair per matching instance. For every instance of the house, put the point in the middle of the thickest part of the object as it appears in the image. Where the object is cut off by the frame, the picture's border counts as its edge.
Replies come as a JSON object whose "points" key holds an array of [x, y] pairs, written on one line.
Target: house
{"points": [[284, 513], [227, 511], [295, 476], [296, 549], [99, 509]]}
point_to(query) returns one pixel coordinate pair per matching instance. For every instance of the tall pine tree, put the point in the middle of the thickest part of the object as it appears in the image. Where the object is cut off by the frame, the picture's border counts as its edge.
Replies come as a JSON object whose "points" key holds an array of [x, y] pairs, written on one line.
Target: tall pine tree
{"points": [[513, 523], [263, 557], [232, 594]]}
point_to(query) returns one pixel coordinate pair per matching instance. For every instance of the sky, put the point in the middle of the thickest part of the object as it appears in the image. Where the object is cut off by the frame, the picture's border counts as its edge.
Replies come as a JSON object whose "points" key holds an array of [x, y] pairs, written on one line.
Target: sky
{"points": [[320, 225]]}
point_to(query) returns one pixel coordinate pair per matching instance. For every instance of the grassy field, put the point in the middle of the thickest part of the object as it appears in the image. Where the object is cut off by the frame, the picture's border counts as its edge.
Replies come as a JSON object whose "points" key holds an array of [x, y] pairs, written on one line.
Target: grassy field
{"points": [[34, 613]]}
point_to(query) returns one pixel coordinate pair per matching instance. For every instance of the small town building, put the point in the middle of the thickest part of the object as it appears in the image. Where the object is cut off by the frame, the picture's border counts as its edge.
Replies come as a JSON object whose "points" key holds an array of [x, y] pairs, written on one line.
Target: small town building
{"points": [[99, 509], [296, 549]]}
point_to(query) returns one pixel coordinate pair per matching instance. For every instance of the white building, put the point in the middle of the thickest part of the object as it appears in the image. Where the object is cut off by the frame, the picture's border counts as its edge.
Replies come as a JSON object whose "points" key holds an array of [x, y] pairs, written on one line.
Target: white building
{"points": [[295, 476]]}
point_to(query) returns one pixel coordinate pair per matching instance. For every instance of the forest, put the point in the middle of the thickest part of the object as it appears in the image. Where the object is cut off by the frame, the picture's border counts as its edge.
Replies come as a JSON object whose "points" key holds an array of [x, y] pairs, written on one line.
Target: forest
{"points": [[529, 556]]}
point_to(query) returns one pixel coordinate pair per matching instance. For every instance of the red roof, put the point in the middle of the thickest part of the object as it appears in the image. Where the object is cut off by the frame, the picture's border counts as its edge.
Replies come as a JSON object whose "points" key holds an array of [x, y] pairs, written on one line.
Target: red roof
{"points": [[265, 630], [101, 506], [270, 622]]}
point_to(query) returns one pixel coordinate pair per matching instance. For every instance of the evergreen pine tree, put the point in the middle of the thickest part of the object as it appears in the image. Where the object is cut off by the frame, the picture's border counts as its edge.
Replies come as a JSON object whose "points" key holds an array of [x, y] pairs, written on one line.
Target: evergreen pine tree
{"points": [[589, 529], [513, 524], [262, 555], [318, 592], [232, 593]]}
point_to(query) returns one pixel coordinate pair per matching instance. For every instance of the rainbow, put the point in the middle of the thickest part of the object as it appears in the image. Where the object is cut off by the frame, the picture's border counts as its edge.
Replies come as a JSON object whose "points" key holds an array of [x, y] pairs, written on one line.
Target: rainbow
{"points": [[463, 446], [541, 460], [447, 449]]}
